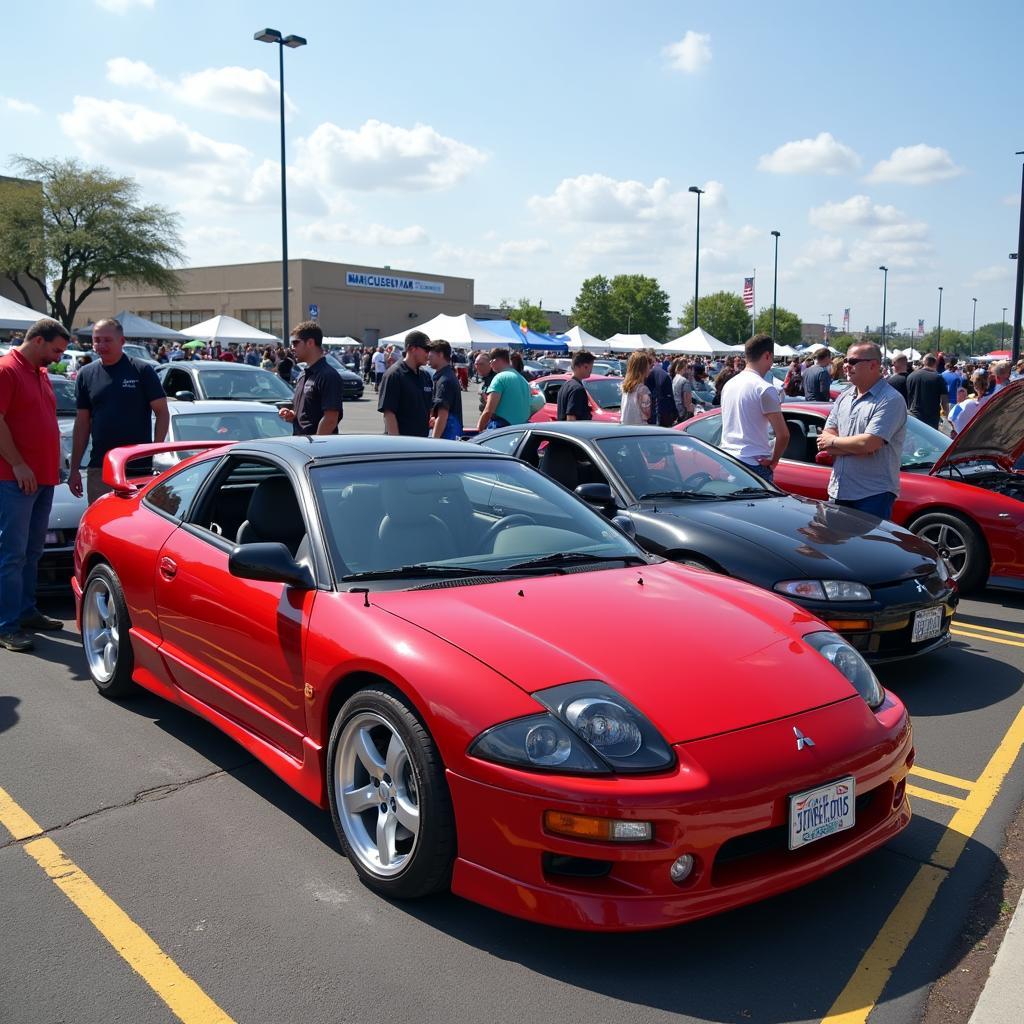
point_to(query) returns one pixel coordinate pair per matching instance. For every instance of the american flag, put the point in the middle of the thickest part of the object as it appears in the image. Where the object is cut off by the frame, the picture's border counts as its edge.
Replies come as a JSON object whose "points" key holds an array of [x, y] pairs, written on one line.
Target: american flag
{"points": [[920, 327], [748, 292], [846, 317]]}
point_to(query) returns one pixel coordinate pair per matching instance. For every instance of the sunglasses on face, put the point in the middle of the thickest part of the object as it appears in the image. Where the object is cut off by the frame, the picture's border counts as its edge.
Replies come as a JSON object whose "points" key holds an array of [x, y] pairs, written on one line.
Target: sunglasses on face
{"points": [[854, 362]]}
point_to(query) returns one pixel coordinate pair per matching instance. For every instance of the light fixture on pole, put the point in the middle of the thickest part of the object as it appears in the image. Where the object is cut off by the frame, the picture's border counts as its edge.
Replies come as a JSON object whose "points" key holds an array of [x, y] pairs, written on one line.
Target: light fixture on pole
{"points": [[938, 326], [696, 274], [885, 289], [974, 322], [271, 35], [775, 283]]}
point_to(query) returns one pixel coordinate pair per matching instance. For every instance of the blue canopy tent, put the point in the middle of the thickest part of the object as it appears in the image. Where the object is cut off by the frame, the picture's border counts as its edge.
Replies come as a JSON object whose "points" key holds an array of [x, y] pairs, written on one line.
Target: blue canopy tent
{"points": [[530, 339]]}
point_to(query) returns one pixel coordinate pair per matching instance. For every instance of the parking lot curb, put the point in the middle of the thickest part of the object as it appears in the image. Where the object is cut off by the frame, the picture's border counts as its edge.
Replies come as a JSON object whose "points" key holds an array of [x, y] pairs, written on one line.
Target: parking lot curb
{"points": [[1002, 998]]}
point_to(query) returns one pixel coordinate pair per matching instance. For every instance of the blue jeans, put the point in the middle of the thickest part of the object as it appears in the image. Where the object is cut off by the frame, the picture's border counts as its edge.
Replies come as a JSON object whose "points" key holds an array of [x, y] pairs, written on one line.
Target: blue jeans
{"points": [[766, 473], [874, 504], [23, 522]]}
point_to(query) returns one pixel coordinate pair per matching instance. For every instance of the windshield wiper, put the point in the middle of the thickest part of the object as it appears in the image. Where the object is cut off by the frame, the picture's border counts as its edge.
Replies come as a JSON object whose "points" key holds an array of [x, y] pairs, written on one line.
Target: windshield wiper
{"points": [[572, 558], [699, 495], [750, 492], [917, 465], [434, 571]]}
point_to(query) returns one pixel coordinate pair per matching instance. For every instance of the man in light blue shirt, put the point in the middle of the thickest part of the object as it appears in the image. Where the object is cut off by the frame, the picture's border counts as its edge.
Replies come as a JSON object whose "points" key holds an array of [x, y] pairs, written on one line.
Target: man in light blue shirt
{"points": [[864, 434]]}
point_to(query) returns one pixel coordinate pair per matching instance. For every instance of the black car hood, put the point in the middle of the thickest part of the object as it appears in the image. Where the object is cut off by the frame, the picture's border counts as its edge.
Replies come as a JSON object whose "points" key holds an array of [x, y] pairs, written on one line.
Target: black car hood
{"points": [[787, 537]]}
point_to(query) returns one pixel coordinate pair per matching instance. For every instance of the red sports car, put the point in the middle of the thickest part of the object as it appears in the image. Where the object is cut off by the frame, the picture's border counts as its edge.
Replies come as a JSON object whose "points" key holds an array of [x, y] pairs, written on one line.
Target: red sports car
{"points": [[965, 496], [403, 630], [605, 394]]}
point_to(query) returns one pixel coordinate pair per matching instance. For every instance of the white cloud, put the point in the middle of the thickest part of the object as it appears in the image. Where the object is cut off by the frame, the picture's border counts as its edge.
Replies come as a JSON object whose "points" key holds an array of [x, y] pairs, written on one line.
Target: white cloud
{"points": [[868, 253], [370, 234], [909, 231], [857, 211], [1013, 199], [996, 273], [508, 254], [381, 156], [596, 198], [18, 106], [819, 251], [239, 92], [691, 54], [124, 6], [823, 154], [916, 165]]}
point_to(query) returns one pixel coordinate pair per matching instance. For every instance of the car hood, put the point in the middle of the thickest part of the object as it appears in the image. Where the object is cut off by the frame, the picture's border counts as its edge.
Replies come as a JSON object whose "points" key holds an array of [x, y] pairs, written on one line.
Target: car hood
{"points": [[789, 537], [996, 432], [698, 654], [67, 510]]}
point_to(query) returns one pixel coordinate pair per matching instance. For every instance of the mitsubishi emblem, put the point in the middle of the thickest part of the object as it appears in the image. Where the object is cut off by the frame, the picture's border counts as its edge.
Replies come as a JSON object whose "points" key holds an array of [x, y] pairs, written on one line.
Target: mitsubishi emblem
{"points": [[802, 740]]}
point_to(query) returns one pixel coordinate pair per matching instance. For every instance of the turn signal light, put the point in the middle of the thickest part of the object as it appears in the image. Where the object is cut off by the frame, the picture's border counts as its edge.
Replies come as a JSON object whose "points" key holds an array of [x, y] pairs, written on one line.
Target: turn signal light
{"points": [[608, 830], [849, 625]]}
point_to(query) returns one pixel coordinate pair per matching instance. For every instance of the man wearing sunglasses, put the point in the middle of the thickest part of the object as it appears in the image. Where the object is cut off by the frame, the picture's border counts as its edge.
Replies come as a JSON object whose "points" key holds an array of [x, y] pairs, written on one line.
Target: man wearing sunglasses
{"points": [[864, 435]]}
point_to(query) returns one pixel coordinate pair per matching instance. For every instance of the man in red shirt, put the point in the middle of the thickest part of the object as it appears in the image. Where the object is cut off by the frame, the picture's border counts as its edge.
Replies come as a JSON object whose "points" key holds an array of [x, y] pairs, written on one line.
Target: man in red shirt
{"points": [[29, 470]]}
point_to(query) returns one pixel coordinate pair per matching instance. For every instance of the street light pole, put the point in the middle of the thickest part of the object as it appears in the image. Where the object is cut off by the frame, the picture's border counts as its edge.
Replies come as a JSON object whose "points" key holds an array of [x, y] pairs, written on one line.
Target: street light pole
{"points": [[885, 289], [974, 323], [775, 282], [271, 35], [1019, 295], [938, 326], [1002, 330], [696, 274]]}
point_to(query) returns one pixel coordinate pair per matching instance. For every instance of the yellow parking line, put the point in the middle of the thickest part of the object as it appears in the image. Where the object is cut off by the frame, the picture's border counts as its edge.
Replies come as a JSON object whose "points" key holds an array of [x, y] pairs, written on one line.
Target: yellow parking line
{"points": [[939, 798], [987, 629], [990, 639], [948, 780], [181, 994], [864, 988]]}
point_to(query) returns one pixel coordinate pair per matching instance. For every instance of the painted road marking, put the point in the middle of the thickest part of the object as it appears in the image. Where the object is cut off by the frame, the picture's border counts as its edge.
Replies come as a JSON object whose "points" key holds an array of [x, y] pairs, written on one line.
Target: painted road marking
{"points": [[947, 780], [183, 996], [939, 798], [855, 1003], [990, 639], [988, 629]]}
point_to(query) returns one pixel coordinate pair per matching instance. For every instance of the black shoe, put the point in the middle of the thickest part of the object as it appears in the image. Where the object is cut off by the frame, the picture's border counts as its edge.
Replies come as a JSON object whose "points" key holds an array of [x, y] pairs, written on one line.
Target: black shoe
{"points": [[16, 641], [41, 623]]}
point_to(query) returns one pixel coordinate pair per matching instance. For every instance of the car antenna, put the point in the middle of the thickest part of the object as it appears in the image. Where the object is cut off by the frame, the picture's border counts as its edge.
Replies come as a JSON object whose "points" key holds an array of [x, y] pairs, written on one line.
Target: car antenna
{"points": [[365, 591]]}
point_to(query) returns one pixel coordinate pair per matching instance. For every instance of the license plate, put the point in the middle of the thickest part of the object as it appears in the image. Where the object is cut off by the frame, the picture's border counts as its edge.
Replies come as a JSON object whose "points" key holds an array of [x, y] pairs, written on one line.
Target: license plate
{"points": [[51, 536], [817, 813], [927, 624]]}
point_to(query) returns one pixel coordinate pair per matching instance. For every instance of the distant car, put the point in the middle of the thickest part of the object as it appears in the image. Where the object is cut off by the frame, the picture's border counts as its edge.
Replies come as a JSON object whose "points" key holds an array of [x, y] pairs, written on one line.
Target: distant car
{"points": [[139, 352], [234, 382], [351, 383], [885, 590], [965, 496], [532, 369], [605, 396], [606, 368]]}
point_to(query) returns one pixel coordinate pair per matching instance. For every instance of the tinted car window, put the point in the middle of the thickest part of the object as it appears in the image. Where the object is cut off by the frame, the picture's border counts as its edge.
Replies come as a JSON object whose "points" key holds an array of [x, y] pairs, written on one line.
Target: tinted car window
{"points": [[174, 495], [709, 429], [229, 426], [607, 393], [64, 389], [176, 380], [236, 382], [505, 443]]}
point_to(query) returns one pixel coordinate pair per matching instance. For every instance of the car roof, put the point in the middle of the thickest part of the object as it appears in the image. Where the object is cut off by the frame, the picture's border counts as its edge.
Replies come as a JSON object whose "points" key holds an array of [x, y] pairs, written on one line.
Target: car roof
{"points": [[567, 376], [300, 450], [215, 405], [212, 364], [587, 430]]}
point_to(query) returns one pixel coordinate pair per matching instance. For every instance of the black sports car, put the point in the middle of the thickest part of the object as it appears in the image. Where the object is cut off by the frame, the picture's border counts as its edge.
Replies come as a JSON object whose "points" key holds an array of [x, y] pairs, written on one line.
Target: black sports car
{"points": [[886, 590]]}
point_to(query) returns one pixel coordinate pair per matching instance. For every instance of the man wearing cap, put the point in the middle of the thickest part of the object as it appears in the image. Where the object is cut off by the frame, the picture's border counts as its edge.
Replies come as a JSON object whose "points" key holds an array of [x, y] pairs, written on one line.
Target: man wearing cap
{"points": [[406, 391]]}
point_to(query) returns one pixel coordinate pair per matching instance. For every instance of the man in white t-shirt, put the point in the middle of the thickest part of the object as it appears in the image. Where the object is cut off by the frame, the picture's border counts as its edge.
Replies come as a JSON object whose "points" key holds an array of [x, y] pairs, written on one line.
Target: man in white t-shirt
{"points": [[379, 362], [751, 409]]}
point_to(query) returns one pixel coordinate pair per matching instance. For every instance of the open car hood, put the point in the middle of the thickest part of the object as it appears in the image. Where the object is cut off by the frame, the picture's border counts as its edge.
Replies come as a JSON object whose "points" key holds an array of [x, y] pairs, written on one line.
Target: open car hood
{"points": [[996, 432]]}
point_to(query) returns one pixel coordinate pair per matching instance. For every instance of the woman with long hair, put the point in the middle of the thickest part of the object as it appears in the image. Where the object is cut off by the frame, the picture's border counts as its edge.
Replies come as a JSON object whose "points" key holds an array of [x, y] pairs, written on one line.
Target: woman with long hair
{"points": [[636, 397], [838, 370]]}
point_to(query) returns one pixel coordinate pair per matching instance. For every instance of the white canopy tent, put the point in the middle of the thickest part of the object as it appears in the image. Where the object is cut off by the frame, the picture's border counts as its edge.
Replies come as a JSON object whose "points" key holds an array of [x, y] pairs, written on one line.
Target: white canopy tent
{"points": [[15, 317], [228, 330], [911, 353], [631, 342], [811, 349], [460, 331], [579, 341], [784, 352], [346, 341], [698, 343]]}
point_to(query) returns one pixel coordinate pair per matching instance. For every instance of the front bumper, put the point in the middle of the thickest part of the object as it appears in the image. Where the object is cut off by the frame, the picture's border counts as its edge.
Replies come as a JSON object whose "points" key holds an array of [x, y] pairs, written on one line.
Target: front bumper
{"points": [[726, 804], [57, 565]]}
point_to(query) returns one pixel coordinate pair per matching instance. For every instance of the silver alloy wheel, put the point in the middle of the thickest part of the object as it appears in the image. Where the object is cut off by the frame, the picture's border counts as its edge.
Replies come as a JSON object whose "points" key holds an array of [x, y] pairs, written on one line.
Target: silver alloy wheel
{"points": [[377, 795], [100, 631], [949, 542]]}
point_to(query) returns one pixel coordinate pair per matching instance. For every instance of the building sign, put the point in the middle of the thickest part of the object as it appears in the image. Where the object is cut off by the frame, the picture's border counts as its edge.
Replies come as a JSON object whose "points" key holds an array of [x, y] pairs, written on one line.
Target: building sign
{"points": [[386, 282]]}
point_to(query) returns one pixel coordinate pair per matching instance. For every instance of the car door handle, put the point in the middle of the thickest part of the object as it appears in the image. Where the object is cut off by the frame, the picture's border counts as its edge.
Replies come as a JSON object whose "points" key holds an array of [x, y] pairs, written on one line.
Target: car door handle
{"points": [[168, 568]]}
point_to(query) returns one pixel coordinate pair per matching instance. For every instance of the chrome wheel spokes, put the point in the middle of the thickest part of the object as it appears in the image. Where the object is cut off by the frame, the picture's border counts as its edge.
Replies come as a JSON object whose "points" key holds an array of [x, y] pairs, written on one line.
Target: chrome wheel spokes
{"points": [[100, 631]]}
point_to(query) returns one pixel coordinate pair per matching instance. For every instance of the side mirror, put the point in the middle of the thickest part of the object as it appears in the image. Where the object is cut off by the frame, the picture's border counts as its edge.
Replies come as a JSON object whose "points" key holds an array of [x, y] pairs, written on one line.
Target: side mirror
{"points": [[626, 525], [270, 563], [184, 396], [824, 458], [598, 495]]}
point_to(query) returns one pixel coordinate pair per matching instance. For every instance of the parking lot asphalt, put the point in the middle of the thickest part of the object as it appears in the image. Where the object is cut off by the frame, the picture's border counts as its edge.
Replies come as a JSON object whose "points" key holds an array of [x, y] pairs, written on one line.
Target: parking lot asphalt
{"points": [[176, 877]]}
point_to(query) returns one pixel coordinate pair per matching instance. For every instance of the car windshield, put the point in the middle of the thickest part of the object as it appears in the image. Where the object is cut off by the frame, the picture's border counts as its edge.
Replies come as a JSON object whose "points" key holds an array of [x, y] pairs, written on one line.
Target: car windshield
{"points": [[409, 518], [607, 393], [64, 389], [922, 445], [248, 384], [229, 426], [678, 466]]}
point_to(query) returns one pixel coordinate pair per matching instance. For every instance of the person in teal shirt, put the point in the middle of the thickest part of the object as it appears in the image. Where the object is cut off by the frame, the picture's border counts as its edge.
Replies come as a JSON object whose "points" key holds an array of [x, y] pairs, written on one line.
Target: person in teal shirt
{"points": [[508, 395]]}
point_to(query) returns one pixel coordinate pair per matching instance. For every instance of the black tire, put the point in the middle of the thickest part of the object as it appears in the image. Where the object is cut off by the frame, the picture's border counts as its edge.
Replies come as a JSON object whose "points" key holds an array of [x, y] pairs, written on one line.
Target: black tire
{"points": [[427, 864], [959, 539], [697, 563], [112, 676]]}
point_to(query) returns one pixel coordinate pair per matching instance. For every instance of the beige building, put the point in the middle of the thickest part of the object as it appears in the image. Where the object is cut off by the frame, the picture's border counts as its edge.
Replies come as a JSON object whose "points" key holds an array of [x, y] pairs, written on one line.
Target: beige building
{"points": [[364, 302]]}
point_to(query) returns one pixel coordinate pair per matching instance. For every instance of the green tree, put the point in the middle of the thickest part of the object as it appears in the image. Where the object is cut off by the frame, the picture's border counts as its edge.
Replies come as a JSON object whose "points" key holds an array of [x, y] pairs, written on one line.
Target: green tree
{"points": [[592, 308], [638, 305], [80, 226], [722, 314], [525, 310], [787, 325]]}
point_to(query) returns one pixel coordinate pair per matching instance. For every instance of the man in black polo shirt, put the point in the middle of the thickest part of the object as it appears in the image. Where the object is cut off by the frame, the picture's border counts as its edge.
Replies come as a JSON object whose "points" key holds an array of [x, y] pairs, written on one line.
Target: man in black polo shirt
{"points": [[573, 401], [446, 407], [406, 391], [117, 398], [316, 403]]}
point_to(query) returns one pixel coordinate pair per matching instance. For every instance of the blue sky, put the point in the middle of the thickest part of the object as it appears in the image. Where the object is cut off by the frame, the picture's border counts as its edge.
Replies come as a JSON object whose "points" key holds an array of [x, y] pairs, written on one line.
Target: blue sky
{"points": [[531, 145]]}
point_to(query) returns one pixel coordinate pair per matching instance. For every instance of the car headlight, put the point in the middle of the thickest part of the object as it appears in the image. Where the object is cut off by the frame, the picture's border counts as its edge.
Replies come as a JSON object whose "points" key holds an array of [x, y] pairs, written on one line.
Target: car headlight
{"points": [[824, 590], [589, 728], [848, 660]]}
